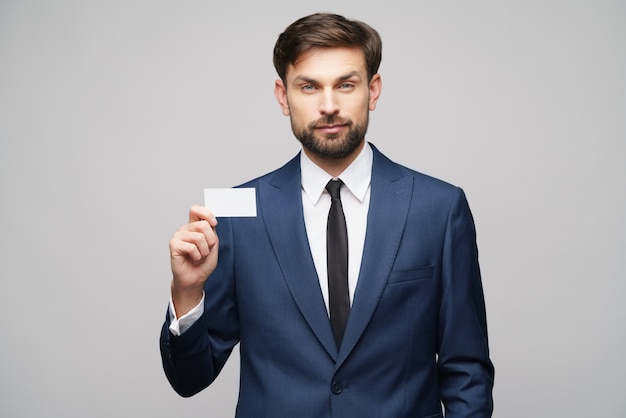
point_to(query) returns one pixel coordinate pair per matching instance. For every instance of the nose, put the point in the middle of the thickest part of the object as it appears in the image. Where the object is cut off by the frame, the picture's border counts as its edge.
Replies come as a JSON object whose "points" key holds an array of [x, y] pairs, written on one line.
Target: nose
{"points": [[328, 105]]}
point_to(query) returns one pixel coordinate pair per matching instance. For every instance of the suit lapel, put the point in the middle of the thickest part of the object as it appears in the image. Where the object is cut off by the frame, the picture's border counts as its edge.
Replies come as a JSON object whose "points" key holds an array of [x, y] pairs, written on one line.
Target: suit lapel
{"points": [[390, 192], [280, 206], [280, 201]]}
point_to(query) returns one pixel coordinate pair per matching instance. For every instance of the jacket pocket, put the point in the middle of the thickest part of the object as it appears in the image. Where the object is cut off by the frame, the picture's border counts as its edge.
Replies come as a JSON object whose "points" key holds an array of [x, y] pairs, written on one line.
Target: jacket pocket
{"points": [[419, 273]]}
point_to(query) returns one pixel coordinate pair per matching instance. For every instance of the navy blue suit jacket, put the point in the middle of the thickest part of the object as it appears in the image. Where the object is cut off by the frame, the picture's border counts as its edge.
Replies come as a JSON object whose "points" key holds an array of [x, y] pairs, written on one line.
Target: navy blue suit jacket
{"points": [[416, 336]]}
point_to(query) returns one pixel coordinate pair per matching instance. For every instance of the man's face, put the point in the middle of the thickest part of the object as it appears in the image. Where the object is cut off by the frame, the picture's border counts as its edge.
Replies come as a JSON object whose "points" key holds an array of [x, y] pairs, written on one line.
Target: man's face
{"points": [[328, 98]]}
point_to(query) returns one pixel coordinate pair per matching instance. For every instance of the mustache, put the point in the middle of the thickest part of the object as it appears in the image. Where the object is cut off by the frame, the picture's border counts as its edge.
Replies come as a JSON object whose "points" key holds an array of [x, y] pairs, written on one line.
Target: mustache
{"points": [[330, 120]]}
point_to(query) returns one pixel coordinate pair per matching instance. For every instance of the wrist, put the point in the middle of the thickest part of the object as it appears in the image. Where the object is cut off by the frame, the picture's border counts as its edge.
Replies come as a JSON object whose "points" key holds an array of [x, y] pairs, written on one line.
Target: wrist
{"points": [[185, 298]]}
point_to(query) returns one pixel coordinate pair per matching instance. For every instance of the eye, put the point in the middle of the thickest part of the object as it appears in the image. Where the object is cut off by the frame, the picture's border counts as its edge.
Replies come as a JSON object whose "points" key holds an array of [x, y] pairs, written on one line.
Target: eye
{"points": [[346, 86], [307, 88]]}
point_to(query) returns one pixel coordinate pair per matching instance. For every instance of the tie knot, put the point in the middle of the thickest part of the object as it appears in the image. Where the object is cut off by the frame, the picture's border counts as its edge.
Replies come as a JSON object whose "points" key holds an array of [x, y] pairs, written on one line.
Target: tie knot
{"points": [[333, 187]]}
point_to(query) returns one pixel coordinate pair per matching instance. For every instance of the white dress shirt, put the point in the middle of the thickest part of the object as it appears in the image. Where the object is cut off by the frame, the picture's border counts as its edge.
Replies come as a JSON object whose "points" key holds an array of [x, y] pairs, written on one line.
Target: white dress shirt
{"points": [[355, 197]]}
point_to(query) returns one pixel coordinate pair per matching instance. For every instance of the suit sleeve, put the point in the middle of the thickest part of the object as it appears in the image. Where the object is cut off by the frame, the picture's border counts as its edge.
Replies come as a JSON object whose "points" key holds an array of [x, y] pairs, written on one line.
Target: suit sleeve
{"points": [[466, 373], [193, 360]]}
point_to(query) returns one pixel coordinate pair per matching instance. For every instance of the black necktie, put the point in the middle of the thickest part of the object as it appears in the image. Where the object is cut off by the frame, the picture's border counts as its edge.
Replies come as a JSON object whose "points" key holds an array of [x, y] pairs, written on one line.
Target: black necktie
{"points": [[337, 253]]}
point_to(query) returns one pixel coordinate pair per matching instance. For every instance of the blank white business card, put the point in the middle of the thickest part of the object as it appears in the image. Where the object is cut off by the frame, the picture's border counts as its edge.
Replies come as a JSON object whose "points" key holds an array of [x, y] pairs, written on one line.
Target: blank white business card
{"points": [[231, 202]]}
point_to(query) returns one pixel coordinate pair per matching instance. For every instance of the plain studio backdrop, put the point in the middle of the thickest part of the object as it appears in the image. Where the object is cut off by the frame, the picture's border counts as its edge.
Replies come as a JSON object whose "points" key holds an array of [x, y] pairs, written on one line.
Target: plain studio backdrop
{"points": [[114, 115]]}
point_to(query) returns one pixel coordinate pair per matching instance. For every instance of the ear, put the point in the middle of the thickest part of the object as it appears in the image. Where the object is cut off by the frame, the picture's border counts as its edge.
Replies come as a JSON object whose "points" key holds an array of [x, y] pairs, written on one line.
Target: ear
{"points": [[281, 95], [376, 86]]}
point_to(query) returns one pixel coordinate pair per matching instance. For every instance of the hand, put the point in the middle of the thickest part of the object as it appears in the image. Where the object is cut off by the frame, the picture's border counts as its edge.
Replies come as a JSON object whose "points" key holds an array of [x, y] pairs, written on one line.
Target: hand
{"points": [[193, 257]]}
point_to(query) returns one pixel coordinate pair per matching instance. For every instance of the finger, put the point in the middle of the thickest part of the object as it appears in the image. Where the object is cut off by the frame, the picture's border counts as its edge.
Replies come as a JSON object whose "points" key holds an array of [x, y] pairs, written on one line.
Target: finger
{"points": [[199, 213], [186, 250], [198, 239], [203, 227]]}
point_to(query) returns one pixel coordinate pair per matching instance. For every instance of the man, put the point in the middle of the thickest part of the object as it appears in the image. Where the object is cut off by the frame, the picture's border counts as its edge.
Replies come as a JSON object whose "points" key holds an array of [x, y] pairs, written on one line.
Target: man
{"points": [[402, 332]]}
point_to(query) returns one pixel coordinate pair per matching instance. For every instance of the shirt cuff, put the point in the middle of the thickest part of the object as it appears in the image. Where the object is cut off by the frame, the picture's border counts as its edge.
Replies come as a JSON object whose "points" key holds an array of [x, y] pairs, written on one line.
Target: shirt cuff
{"points": [[182, 324]]}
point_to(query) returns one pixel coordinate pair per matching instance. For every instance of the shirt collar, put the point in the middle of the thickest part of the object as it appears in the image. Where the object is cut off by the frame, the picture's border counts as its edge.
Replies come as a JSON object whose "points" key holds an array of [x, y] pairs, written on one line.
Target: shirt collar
{"points": [[356, 177]]}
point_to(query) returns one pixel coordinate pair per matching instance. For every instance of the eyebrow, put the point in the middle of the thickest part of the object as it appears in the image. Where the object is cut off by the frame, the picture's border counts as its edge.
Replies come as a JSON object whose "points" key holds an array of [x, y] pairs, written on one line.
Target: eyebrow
{"points": [[345, 77]]}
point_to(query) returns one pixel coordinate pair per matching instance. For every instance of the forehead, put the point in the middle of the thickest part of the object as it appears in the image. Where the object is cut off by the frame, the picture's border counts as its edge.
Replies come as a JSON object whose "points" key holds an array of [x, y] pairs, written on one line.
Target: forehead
{"points": [[319, 63]]}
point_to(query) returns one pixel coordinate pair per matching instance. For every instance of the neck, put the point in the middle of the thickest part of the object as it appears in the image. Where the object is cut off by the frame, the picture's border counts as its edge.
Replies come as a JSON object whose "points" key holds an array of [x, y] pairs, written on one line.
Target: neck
{"points": [[334, 166]]}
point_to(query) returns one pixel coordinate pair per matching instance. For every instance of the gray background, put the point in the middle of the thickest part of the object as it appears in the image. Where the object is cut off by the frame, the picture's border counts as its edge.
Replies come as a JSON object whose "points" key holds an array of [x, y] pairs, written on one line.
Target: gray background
{"points": [[114, 115]]}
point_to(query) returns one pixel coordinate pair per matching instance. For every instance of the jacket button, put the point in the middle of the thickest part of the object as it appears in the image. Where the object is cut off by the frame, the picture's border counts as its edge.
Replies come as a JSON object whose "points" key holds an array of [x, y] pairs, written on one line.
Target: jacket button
{"points": [[336, 388]]}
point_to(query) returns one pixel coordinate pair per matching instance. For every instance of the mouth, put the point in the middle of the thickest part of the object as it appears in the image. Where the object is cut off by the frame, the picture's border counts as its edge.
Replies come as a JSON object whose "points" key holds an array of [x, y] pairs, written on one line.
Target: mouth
{"points": [[330, 129]]}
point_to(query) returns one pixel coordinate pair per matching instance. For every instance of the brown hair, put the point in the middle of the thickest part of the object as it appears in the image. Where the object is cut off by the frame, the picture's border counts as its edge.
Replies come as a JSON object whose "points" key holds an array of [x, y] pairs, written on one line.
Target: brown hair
{"points": [[326, 30]]}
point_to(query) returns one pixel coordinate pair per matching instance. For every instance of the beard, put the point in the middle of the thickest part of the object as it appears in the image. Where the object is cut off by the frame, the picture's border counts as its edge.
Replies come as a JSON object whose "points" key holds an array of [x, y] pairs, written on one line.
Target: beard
{"points": [[332, 146]]}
